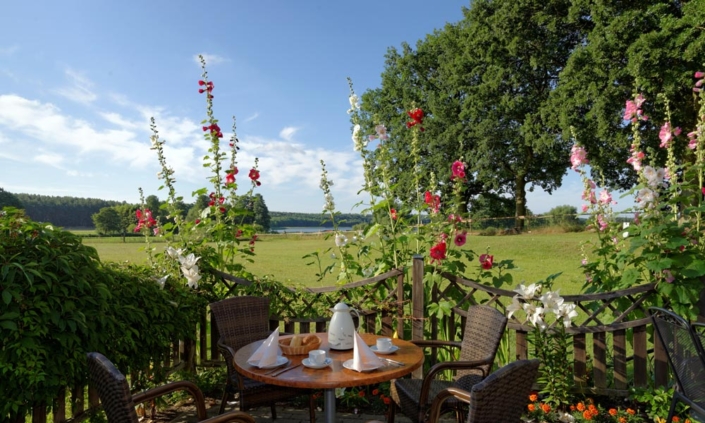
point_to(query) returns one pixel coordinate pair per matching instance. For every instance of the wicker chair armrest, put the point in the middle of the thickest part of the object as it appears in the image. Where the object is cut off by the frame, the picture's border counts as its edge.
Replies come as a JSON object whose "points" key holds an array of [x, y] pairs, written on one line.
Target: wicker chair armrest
{"points": [[431, 343], [229, 354], [182, 385], [449, 365], [437, 405], [233, 416]]}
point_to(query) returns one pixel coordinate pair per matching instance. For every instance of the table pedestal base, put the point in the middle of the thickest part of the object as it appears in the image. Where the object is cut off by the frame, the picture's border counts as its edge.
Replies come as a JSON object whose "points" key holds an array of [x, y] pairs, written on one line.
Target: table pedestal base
{"points": [[329, 405]]}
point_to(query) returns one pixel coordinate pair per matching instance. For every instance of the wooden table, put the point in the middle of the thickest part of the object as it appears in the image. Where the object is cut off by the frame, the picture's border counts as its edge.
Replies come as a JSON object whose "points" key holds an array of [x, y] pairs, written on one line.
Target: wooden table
{"points": [[335, 375]]}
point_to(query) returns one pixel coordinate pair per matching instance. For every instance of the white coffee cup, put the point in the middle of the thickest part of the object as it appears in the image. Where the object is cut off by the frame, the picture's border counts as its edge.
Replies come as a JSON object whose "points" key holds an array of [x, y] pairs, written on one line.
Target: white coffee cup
{"points": [[317, 356], [384, 344]]}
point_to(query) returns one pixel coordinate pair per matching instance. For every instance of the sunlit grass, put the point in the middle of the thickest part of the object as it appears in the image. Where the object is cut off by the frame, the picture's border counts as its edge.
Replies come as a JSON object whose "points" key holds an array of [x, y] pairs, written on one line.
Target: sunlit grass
{"points": [[535, 256]]}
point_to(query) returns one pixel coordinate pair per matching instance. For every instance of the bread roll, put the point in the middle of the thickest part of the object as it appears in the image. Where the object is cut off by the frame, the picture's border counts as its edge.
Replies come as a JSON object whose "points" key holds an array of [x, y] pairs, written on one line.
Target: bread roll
{"points": [[295, 341], [309, 339]]}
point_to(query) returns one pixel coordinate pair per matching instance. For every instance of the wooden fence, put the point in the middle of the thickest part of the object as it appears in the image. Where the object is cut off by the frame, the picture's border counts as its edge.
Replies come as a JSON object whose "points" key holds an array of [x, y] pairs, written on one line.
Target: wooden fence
{"points": [[607, 342]]}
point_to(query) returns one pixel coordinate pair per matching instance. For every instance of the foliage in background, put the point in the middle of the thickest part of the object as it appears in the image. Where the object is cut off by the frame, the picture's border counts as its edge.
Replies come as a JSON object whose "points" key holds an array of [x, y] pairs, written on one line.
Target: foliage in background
{"points": [[8, 199], [57, 302]]}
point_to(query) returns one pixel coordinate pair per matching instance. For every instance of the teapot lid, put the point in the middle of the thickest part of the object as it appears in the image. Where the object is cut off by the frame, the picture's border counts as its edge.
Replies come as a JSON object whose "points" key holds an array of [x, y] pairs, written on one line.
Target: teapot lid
{"points": [[341, 307]]}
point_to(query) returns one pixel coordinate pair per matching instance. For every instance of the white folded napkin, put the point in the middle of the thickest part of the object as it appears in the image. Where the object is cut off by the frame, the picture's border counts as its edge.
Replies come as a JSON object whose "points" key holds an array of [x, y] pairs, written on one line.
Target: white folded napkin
{"points": [[267, 353], [363, 357]]}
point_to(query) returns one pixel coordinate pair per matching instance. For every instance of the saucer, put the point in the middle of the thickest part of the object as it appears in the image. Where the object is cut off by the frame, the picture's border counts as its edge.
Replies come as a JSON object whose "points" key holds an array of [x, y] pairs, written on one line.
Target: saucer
{"points": [[389, 351], [348, 364], [280, 362], [308, 363]]}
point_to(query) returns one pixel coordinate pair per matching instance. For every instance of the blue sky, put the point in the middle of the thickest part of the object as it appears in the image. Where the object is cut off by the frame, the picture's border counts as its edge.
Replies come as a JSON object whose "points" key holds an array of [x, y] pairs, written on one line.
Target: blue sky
{"points": [[79, 81]]}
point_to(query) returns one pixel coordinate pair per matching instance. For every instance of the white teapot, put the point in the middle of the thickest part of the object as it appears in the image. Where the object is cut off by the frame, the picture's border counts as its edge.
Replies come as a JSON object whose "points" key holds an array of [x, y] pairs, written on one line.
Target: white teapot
{"points": [[341, 330]]}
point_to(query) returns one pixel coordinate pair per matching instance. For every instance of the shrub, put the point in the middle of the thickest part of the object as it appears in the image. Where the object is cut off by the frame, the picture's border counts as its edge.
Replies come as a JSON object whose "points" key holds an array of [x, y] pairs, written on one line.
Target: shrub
{"points": [[490, 231]]}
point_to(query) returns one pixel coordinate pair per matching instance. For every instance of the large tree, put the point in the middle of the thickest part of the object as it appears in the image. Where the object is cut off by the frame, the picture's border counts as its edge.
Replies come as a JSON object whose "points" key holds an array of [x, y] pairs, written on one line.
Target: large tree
{"points": [[484, 84], [107, 221], [258, 213], [8, 199], [649, 46]]}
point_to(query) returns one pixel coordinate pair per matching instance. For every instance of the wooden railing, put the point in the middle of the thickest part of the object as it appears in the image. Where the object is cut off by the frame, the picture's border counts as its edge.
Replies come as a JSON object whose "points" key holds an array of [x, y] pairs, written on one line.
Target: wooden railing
{"points": [[602, 351]]}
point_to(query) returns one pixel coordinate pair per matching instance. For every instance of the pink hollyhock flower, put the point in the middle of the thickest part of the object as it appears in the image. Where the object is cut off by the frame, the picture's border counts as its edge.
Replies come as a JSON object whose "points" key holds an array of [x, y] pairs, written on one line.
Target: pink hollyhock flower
{"points": [[458, 169], [460, 238], [666, 134], [486, 261], [703, 190], [578, 157], [630, 110], [393, 213], [585, 208], [254, 174], [606, 197], [601, 221], [416, 116], [584, 262], [438, 252], [668, 276], [380, 133], [699, 75]]}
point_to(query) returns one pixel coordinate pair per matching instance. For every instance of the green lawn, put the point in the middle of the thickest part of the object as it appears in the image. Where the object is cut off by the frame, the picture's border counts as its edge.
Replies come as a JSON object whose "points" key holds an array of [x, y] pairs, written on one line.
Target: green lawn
{"points": [[535, 256]]}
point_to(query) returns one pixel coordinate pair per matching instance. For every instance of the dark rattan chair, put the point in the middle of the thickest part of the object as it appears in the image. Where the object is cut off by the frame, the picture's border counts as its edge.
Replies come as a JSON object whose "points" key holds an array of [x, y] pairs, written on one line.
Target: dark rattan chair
{"points": [[484, 327], [687, 359], [240, 321], [501, 397], [119, 404]]}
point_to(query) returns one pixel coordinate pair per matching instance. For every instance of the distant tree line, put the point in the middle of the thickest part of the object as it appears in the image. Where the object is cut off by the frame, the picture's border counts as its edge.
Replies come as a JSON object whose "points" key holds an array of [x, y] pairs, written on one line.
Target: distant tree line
{"points": [[69, 212], [284, 219]]}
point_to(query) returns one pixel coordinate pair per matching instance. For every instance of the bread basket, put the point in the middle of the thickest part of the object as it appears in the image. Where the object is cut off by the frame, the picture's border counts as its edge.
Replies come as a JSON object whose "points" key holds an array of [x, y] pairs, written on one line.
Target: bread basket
{"points": [[308, 343]]}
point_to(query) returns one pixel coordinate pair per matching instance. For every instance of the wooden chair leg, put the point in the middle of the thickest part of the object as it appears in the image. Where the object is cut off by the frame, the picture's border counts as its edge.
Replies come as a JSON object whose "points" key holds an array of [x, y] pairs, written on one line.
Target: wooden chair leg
{"points": [[391, 410], [274, 410], [312, 408], [226, 396]]}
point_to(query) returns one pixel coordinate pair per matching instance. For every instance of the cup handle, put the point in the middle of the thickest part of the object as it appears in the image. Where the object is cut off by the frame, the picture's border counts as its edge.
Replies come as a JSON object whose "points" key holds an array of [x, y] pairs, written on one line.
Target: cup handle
{"points": [[357, 313]]}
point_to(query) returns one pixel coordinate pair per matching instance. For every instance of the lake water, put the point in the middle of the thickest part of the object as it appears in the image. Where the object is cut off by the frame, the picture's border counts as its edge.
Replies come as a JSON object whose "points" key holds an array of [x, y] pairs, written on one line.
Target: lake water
{"points": [[308, 229]]}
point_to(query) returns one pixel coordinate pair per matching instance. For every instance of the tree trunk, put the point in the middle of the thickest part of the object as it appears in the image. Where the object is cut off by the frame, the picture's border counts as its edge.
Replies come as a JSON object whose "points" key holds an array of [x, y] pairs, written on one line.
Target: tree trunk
{"points": [[520, 197]]}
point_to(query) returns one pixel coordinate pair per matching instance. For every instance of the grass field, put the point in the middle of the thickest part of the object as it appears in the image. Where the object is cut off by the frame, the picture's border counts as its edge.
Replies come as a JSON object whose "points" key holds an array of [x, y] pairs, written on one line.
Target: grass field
{"points": [[535, 256]]}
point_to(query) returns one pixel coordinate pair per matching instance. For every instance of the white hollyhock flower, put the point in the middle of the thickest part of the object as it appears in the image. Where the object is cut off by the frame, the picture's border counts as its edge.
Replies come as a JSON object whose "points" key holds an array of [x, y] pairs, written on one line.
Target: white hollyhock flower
{"points": [[188, 261], [192, 276], [340, 240], [354, 103], [173, 252], [527, 292]]}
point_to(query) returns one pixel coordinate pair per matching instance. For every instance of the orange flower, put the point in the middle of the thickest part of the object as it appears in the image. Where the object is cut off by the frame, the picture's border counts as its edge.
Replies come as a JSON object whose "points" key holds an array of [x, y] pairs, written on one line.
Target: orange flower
{"points": [[545, 407], [587, 415], [572, 408], [593, 410], [613, 411], [387, 400], [533, 397], [630, 411], [622, 420], [361, 394], [580, 406], [531, 408], [687, 420], [676, 419], [375, 392]]}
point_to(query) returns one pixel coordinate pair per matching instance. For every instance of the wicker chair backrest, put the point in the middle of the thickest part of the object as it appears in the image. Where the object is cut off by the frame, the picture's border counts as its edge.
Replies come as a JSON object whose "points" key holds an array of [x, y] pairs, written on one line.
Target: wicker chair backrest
{"points": [[484, 327], [241, 320], [113, 390], [502, 396]]}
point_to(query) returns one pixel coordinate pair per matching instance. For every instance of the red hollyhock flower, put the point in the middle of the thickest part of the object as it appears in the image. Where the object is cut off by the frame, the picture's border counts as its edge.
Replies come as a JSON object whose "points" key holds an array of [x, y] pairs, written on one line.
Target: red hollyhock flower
{"points": [[144, 219], [428, 197], [197, 221], [238, 233], [416, 116], [222, 209], [254, 174], [438, 252], [460, 238], [229, 178], [486, 261], [458, 169], [393, 212]]}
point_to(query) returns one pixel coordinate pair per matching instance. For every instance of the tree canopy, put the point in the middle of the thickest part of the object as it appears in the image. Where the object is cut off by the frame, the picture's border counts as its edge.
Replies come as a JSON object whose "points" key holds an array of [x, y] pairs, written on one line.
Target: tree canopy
{"points": [[8, 199]]}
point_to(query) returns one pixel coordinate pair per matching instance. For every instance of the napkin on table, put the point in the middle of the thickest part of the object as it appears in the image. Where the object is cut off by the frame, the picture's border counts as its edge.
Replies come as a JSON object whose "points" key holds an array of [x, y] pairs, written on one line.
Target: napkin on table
{"points": [[363, 357], [267, 353]]}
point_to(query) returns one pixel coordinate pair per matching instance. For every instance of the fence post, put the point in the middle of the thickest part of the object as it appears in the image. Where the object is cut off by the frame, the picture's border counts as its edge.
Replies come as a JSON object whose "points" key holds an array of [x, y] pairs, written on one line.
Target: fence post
{"points": [[400, 306], [417, 300]]}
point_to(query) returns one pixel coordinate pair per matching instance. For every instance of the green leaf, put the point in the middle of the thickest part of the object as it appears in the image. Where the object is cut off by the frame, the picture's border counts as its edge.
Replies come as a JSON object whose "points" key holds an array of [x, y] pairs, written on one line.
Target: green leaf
{"points": [[6, 296]]}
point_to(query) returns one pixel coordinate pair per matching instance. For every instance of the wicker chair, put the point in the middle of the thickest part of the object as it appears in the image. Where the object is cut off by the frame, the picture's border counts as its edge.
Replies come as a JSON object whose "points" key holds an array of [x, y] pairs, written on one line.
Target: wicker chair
{"points": [[484, 327], [687, 359], [119, 404], [240, 321], [501, 397]]}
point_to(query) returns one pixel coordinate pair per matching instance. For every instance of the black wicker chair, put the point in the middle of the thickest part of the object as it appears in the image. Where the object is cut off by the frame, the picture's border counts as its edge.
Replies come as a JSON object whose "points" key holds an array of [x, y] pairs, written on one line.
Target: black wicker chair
{"points": [[484, 327], [683, 345], [119, 404], [501, 397], [241, 321]]}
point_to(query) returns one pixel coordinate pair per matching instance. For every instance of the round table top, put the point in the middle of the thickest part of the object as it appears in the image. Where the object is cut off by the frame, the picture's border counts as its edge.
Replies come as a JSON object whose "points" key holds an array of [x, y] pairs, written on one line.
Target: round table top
{"points": [[335, 375]]}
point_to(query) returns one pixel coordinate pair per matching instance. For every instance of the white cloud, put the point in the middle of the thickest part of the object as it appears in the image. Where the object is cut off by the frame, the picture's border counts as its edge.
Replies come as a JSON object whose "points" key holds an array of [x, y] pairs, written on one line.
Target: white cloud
{"points": [[288, 132], [118, 120], [79, 90], [211, 59], [252, 117], [50, 159], [9, 51]]}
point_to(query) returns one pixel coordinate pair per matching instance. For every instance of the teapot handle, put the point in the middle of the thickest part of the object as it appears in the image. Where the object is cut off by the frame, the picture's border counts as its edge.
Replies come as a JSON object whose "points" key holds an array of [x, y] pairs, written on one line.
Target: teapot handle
{"points": [[357, 313]]}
